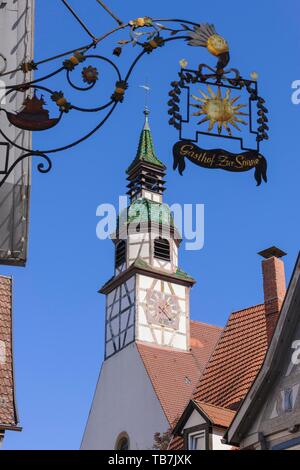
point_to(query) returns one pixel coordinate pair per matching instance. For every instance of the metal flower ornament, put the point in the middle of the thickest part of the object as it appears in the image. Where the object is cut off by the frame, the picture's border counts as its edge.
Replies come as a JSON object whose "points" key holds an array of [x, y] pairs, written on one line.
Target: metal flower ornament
{"points": [[216, 105]]}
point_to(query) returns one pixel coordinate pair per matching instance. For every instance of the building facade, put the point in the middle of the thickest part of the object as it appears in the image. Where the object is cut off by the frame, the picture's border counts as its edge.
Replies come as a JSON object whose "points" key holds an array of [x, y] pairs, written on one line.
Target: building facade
{"points": [[269, 418], [16, 48], [161, 370], [154, 353], [233, 365]]}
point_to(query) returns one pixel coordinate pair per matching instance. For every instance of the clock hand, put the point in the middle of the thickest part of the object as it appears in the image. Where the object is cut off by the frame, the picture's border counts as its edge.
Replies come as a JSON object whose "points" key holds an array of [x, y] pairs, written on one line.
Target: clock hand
{"points": [[165, 313]]}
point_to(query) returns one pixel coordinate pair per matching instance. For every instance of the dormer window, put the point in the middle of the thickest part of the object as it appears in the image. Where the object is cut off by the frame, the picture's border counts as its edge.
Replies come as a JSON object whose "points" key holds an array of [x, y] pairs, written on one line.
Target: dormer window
{"points": [[120, 253], [162, 249], [197, 441]]}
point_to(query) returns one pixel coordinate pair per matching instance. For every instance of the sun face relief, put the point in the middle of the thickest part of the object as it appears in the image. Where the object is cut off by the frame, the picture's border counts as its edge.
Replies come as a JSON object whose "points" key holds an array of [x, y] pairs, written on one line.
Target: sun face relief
{"points": [[162, 309], [219, 110]]}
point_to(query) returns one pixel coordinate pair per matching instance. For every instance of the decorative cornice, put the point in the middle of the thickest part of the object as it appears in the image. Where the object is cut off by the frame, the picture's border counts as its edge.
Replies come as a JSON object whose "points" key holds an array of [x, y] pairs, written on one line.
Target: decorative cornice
{"points": [[141, 267]]}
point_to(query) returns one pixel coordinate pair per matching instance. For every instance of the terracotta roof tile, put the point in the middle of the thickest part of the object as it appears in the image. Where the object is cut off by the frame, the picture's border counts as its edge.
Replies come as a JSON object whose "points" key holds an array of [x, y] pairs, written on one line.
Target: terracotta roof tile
{"points": [[174, 374], [177, 443], [216, 414], [232, 367], [8, 415], [236, 359]]}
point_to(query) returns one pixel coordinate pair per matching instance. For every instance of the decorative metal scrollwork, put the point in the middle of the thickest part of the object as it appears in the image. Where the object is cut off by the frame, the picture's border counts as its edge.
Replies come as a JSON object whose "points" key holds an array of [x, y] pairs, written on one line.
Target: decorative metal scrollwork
{"points": [[149, 35]]}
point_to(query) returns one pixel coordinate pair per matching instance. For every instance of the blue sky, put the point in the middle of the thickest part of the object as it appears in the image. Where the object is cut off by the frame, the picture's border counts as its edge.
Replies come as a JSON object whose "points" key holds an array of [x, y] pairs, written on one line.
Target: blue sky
{"points": [[58, 314]]}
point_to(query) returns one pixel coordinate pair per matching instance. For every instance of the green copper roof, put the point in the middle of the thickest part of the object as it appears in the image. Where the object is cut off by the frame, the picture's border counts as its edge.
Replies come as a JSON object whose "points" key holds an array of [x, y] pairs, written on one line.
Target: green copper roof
{"points": [[179, 274], [182, 274], [144, 210], [145, 151]]}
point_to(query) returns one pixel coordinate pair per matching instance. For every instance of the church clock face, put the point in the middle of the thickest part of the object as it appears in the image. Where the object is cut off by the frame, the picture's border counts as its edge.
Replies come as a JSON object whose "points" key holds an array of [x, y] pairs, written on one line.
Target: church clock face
{"points": [[162, 309]]}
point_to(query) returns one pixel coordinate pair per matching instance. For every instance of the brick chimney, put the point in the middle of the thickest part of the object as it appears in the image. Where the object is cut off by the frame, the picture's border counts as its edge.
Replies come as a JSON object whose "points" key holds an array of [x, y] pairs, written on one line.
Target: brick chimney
{"points": [[274, 286]]}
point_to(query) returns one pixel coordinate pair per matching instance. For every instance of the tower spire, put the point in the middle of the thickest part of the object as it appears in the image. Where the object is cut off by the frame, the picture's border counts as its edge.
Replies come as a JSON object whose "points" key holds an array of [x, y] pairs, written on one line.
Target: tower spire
{"points": [[146, 125], [147, 89], [146, 152], [146, 172]]}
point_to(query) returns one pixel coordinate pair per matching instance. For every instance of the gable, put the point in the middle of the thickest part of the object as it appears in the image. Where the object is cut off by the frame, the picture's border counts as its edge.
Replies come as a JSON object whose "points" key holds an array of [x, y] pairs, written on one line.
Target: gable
{"points": [[273, 402], [195, 419], [281, 409]]}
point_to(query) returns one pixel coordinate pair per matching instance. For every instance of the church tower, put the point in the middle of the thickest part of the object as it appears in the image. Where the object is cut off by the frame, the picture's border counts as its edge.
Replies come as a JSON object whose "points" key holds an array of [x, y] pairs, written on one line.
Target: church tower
{"points": [[148, 298], [150, 368]]}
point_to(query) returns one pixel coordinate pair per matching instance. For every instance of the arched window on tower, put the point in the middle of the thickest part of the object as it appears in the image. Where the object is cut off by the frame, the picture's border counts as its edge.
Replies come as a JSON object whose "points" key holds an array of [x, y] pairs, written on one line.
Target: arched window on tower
{"points": [[122, 442], [162, 249], [120, 253]]}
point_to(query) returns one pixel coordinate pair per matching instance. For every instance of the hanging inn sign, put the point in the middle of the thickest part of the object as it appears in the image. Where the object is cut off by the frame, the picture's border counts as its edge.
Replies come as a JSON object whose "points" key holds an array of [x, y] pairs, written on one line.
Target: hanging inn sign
{"points": [[219, 159], [217, 111], [214, 102]]}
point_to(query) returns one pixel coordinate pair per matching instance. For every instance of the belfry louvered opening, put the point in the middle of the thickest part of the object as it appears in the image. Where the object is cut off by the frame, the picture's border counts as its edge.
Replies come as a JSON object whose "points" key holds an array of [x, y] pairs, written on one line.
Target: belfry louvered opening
{"points": [[162, 249], [120, 253]]}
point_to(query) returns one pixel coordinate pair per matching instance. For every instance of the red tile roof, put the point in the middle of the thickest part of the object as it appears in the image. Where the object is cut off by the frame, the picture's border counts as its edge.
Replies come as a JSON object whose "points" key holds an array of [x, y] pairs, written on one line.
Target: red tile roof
{"points": [[216, 414], [232, 367], [174, 374], [177, 443], [236, 359], [8, 416]]}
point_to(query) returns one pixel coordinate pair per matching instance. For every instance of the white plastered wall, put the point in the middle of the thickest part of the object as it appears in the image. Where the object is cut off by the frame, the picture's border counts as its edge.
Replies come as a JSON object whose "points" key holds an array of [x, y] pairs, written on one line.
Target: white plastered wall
{"points": [[124, 401]]}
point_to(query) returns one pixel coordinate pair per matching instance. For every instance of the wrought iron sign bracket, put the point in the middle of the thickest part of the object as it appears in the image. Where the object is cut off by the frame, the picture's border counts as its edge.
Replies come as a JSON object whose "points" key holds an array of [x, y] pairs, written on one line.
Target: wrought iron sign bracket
{"points": [[149, 35]]}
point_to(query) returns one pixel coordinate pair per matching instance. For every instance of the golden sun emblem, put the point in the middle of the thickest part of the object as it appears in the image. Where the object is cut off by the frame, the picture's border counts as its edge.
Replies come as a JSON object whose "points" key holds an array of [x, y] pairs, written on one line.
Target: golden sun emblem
{"points": [[219, 110]]}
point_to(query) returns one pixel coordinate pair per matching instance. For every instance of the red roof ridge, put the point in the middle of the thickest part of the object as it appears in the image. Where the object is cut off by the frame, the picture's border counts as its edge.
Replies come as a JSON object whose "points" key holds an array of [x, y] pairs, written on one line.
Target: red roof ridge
{"points": [[201, 402], [253, 307], [162, 348], [207, 324]]}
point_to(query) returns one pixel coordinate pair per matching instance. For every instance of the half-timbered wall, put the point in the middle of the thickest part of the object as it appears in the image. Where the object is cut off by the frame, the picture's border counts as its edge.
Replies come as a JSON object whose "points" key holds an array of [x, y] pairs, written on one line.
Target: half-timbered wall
{"points": [[279, 418], [120, 317], [141, 245]]}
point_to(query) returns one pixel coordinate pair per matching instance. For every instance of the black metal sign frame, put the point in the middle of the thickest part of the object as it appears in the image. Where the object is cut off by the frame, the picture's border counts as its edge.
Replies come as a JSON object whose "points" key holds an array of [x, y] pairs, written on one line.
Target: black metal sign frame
{"points": [[229, 80]]}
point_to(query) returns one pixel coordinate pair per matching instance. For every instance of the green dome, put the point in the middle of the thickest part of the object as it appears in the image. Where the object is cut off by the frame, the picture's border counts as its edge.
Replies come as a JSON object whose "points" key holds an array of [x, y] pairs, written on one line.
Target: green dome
{"points": [[144, 210]]}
